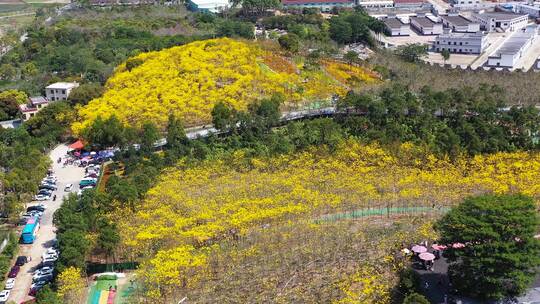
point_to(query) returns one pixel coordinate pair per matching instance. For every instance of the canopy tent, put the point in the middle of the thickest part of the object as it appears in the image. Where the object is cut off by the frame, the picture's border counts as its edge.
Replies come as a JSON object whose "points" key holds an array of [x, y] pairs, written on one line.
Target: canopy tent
{"points": [[438, 247], [426, 256], [418, 249], [78, 145]]}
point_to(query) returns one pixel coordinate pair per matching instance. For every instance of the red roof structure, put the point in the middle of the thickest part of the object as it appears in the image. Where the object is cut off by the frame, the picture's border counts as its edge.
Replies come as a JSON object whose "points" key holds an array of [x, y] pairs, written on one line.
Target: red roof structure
{"points": [[301, 2], [408, 1], [78, 145]]}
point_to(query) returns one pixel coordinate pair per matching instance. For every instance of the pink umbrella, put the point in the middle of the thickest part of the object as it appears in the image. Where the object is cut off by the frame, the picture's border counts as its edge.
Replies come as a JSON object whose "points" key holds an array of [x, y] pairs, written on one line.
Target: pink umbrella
{"points": [[438, 247], [426, 256], [418, 249], [458, 245]]}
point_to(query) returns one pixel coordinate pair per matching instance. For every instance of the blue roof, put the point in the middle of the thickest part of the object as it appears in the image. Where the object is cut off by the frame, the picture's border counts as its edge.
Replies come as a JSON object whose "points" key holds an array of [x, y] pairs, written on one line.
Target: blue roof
{"points": [[29, 227]]}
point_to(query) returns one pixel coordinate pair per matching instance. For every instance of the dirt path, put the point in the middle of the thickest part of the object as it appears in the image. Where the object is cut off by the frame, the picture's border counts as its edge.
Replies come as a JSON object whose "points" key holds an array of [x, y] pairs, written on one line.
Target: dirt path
{"points": [[68, 175]]}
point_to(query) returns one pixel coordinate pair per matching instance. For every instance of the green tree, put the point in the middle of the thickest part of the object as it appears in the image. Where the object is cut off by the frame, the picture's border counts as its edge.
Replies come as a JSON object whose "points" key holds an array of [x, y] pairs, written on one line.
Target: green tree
{"points": [[501, 254], [412, 52], [222, 116], [149, 135], [105, 133], [445, 53], [133, 63], [85, 92], [340, 30], [176, 135], [7, 71], [351, 57], [290, 42], [47, 296], [415, 298]]}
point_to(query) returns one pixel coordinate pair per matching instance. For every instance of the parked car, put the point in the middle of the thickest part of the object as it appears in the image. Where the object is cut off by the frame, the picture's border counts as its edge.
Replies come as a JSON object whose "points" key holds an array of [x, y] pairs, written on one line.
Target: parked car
{"points": [[46, 264], [21, 260], [43, 271], [47, 187], [10, 283], [35, 288], [50, 258], [42, 197], [35, 208], [52, 250], [68, 188], [52, 255], [14, 271], [4, 295], [43, 278], [23, 221]]}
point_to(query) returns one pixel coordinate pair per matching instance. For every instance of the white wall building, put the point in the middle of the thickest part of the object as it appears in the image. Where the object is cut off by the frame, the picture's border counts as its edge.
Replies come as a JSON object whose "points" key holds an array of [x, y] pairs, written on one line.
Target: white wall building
{"points": [[426, 26], [508, 54], [458, 23], [499, 20], [212, 6], [465, 3], [532, 10], [33, 106], [375, 3], [462, 43], [396, 27], [323, 5], [60, 90]]}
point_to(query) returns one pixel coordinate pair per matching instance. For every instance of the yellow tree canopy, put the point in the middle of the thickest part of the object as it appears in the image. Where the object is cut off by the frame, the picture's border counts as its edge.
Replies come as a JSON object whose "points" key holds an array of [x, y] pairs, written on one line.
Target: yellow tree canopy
{"points": [[188, 80]]}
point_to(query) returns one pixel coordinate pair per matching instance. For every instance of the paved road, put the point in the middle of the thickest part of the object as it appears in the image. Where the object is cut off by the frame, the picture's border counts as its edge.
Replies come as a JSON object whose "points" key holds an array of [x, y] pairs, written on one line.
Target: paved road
{"points": [[46, 234]]}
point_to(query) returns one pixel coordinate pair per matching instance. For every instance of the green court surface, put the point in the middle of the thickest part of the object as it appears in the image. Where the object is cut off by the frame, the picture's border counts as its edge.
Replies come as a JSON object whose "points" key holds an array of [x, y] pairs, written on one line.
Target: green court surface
{"points": [[99, 291]]}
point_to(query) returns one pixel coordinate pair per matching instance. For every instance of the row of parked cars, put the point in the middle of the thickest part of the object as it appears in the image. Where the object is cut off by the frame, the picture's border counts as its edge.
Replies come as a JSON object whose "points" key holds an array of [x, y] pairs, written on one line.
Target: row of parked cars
{"points": [[45, 272], [46, 188]]}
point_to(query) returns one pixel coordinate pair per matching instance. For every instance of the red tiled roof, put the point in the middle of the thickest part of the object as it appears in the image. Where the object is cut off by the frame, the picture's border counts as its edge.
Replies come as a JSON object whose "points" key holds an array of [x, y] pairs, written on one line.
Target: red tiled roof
{"points": [[300, 2]]}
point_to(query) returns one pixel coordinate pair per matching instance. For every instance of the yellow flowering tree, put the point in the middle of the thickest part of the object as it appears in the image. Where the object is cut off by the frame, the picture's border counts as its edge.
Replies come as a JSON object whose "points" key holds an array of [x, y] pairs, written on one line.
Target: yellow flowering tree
{"points": [[71, 285]]}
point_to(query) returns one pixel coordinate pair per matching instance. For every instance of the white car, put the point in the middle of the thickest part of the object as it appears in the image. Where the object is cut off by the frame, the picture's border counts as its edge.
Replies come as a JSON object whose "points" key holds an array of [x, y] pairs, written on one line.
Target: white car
{"points": [[10, 283], [68, 188], [42, 270], [42, 197], [42, 273], [4, 295], [52, 255], [51, 250], [50, 258], [42, 205]]}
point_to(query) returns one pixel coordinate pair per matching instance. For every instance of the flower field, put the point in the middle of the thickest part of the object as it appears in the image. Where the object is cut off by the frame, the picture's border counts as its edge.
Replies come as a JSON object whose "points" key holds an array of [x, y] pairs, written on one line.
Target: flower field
{"points": [[188, 80], [194, 211]]}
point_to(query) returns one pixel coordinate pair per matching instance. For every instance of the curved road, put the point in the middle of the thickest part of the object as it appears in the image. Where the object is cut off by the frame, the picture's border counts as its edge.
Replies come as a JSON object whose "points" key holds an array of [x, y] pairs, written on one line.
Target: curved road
{"points": [[46, 234]]}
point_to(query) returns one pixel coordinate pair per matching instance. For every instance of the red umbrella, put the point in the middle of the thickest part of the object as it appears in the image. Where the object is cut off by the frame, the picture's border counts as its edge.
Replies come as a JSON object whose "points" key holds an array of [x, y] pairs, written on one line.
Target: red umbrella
{"points": [[426, 256], [418, 249], [438, 247], [78, 145]]}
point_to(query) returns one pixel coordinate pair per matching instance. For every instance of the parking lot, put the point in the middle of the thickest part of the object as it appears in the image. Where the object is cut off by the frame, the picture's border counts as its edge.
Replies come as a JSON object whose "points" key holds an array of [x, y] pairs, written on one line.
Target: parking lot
{"points": [[46, 235]]}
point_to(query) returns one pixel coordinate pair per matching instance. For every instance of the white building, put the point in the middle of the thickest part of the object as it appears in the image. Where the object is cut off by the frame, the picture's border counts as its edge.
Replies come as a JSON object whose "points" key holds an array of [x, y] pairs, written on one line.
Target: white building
{"points": [[375, 3], [426, 26], [34, 105], [458, 23], [465, 3], [323, 5], [532, 10], [513, 48], [462, 43], [212, 6], [396, 27], [60, 90], [499, 20]]}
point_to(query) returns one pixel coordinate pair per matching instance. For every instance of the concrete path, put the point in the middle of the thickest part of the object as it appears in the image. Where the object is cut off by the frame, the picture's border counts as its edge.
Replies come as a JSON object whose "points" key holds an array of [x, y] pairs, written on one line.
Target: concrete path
{"points": [[68, 175]]}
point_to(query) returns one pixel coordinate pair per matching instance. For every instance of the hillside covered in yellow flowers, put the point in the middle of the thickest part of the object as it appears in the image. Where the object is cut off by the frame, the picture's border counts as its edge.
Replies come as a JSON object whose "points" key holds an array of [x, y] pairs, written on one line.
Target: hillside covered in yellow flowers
{"points": [[184, 228], [188, 80]]}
